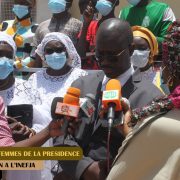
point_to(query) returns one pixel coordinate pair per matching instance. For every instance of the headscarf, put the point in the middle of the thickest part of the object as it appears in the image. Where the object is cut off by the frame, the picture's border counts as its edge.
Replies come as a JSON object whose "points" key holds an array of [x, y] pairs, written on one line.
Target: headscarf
{"points": [[139, 31], [74, 59], [171, 49], [9, 40]]}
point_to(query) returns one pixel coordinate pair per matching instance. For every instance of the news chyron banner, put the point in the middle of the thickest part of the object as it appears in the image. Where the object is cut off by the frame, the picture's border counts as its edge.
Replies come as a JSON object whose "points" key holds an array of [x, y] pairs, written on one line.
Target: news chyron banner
{"points": [[20, 158]]}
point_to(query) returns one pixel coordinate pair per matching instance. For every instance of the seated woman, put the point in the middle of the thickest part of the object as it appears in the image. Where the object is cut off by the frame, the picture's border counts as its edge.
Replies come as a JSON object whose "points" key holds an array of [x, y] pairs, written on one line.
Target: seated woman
{"points": [[146, 50], [145, 152], [63, 67]]}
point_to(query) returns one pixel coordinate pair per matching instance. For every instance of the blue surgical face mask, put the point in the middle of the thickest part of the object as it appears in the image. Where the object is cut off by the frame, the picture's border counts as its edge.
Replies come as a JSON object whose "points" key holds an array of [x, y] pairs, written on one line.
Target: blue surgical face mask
{"points": [[57, 6], [6, 67], [56, 60], [20, 10], [133, 2], [104, 7]]}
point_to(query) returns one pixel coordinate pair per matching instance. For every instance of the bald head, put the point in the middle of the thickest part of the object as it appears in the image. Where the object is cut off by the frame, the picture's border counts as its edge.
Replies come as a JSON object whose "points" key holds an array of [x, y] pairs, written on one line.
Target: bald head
{"points": [[114, 46], [115, 30]]}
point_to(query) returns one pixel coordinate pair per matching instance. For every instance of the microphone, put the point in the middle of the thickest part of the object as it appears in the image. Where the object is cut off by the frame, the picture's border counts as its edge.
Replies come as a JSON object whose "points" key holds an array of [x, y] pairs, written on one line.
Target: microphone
{"points": [[58, 116], [87, 108], [111, 100], [70, 105], [87, 105], [67, 107]]}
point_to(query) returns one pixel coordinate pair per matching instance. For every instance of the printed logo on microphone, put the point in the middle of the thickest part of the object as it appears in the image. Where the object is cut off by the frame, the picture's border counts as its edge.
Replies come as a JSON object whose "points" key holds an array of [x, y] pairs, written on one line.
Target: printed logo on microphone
{"points": [[67, 109], [113, 94]]}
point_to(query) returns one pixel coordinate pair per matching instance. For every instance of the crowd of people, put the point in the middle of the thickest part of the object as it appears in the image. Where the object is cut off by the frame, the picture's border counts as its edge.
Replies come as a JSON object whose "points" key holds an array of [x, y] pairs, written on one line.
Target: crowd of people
{"points": [[87, 53]]}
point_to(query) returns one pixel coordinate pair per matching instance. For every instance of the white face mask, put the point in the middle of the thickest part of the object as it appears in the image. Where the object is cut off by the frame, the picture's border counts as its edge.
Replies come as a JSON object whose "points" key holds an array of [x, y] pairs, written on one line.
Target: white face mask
{"points": [[140, 58]]}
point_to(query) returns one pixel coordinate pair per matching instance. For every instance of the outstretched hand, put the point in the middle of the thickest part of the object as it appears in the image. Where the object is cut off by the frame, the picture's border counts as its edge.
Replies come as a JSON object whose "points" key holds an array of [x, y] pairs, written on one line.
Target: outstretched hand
{"points": [[88, 13]]}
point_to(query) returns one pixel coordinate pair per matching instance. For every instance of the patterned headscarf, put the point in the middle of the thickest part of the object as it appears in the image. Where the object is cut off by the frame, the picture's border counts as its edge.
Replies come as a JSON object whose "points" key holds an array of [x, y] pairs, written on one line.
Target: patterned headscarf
{"points": [[171, 50], [74, 59], [158, 105], [9, 40], [139, 31]]}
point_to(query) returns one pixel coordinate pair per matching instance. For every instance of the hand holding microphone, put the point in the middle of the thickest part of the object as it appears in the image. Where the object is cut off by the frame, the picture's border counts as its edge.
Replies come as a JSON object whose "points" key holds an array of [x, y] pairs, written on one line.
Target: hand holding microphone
{"points": [[67, 108]]}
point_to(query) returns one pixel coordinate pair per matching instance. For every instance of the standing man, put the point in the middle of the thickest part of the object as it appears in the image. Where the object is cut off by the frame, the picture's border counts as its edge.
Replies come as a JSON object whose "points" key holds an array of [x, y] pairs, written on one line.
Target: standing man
{"points": [[61, 21], [114, 46], [156, 16]]}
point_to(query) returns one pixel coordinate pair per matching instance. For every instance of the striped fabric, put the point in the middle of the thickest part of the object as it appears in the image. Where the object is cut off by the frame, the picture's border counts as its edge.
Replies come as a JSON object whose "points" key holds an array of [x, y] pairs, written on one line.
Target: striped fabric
{"points": [[5, 132]]}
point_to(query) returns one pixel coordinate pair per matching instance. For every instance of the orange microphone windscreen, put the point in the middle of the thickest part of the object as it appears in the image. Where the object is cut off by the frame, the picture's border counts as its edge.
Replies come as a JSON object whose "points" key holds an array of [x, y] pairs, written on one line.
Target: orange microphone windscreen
{"points": [[113, 84], [72, 96], [112, 94]]}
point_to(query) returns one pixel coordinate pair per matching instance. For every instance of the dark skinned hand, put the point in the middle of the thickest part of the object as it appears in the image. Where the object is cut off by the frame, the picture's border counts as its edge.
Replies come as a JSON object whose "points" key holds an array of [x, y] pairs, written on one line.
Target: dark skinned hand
{"points": [[88, 13]]}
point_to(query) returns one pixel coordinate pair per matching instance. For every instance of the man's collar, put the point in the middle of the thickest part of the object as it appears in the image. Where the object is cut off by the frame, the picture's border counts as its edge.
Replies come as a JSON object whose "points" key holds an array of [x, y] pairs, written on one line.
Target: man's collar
{"points": [[123, 78]]}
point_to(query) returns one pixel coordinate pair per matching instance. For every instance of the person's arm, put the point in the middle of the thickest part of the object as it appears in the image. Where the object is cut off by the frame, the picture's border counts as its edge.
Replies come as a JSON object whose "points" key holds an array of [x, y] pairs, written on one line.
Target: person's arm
{"points": [[39, 139], [83, 45], [168, 19]]}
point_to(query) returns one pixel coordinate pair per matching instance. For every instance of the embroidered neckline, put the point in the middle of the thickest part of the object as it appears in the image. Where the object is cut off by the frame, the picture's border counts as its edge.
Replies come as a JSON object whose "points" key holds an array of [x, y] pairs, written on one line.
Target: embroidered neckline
{"points": [[56, 78], [8, 94]]}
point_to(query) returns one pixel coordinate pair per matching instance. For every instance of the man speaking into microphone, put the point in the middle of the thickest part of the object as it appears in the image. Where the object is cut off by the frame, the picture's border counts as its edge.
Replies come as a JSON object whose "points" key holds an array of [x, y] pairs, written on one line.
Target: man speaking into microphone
{"points": [[114, 47]]}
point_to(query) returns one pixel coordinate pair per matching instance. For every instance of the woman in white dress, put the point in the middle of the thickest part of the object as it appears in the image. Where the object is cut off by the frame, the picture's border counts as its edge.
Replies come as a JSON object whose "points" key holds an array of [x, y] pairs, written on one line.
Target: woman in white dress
{"points": [[63, 67]]}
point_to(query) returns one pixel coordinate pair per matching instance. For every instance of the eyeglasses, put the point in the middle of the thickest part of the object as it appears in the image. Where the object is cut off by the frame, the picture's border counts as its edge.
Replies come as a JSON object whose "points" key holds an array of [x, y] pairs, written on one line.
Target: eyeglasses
{"points": [[100, 57], [57, 50]]}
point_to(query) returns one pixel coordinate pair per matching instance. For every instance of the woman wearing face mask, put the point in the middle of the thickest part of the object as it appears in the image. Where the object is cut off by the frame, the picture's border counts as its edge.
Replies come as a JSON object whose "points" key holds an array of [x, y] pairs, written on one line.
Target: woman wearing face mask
{"points": [[156, 16], [61, 21], [87, 38], [22, 29], [146, 50], [63, 67], [14, 92], [8, 84], [154, 142]]}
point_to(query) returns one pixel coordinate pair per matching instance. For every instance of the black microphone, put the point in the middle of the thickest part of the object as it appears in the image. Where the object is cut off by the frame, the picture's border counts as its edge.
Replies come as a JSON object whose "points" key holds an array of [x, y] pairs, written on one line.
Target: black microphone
{"points": [[87, 105], [56, 116], [87, 108]]}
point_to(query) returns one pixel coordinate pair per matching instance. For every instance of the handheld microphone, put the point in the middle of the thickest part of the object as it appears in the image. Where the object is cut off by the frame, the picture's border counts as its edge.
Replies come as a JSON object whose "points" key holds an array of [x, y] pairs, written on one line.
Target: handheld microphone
{"points": [[67, 107], [87, 105], [87, 108], [70, 106], [111, 100], [58, 116]]}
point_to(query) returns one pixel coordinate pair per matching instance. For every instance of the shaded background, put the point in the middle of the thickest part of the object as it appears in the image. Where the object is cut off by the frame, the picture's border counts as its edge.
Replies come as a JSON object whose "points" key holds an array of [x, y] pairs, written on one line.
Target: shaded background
{"points": [[41, 12]]}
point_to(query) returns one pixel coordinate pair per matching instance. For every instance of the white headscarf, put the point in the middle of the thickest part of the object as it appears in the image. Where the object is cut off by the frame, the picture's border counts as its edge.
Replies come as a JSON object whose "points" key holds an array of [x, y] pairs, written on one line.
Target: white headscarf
{"points": [[74, 59], [9, 40]]}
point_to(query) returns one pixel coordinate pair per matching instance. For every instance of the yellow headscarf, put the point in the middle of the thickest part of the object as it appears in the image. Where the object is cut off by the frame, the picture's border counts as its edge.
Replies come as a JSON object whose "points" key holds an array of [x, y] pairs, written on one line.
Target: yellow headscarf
{"points": [[139, 31]]}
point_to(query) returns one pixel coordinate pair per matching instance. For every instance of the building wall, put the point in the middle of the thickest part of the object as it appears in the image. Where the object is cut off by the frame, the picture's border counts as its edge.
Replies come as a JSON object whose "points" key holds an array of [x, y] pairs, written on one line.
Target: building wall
{"points": [[174, 4], [43, 13]]}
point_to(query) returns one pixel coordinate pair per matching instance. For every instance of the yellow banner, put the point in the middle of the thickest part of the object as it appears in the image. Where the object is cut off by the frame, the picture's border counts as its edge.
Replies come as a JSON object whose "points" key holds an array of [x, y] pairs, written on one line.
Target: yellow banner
{"points": [[21, 165], [41, 153]]}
